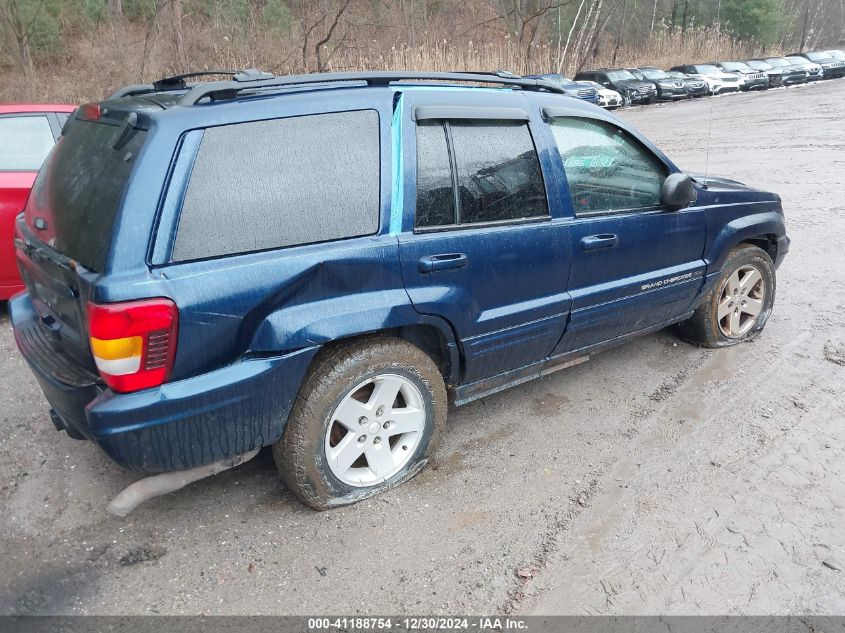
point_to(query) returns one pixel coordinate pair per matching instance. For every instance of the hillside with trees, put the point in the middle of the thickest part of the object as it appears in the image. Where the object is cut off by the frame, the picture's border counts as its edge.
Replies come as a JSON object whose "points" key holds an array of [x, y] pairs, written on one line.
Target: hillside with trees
{"points": [[76, 50]]}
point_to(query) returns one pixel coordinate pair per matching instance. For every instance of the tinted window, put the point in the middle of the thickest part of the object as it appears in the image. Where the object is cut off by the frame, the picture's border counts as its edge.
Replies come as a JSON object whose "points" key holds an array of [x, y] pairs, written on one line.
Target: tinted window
{"points": [[79, 190], [435, 194], [25, 142], [607, 170], [499, 174], [497, 168], [270, 184]]}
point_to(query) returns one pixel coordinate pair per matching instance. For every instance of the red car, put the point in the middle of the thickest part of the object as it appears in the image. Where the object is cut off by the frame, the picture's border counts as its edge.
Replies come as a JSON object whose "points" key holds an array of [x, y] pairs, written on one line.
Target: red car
{"points": [[27, 133]]}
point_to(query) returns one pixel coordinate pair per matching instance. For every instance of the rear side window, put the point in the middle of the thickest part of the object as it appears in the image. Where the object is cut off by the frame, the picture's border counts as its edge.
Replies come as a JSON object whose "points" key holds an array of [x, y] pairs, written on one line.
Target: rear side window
{"points": [[607, 169], [494, 165], [79, 191], [25, 142], [270, 184]]}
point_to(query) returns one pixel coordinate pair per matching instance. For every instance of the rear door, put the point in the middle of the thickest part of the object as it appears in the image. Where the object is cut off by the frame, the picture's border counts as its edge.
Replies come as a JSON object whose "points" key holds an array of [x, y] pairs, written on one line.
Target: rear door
{"points": [[25, 140], [635, 264], [480, 247]]}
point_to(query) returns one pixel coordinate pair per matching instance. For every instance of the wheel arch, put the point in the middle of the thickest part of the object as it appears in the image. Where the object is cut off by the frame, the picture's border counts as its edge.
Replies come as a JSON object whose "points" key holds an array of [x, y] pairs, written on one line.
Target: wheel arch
{"points": [[758, 229]]}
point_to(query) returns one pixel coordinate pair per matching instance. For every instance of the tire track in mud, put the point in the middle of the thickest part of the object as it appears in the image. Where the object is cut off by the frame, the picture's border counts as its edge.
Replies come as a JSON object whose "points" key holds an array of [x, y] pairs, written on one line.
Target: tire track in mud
{"points": [[626, 581], [582, 501]]}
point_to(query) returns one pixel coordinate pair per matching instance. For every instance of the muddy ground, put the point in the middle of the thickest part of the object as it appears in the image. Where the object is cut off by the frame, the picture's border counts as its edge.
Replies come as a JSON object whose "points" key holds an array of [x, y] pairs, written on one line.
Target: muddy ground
{"points": [[656, 478]]}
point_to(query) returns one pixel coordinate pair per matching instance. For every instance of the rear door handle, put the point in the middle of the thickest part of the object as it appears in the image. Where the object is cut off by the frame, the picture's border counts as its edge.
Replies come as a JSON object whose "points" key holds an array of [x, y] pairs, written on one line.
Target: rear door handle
{"points": [[598, 242], [432, 263]]}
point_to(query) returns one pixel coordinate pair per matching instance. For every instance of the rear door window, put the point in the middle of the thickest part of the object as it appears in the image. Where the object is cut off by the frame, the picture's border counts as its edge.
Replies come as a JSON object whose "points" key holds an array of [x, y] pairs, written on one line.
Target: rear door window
{"points": [[25, 142], [493, 164], [271, 184]]}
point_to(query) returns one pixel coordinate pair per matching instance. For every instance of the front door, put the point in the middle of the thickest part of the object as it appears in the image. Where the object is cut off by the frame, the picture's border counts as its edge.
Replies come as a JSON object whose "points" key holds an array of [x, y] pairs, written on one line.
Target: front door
{"points": [[635, 263]]}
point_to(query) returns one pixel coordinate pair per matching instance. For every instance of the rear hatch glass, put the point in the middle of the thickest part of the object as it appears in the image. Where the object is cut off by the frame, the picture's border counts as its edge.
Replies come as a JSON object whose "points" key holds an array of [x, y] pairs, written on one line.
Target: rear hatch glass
{"points": [[67, 231], [78, 191]]}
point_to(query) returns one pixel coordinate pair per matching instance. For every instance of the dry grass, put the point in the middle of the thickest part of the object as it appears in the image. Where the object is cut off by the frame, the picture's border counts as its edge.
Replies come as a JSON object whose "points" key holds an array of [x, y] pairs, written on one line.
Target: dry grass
{"points": [[94, 66]]}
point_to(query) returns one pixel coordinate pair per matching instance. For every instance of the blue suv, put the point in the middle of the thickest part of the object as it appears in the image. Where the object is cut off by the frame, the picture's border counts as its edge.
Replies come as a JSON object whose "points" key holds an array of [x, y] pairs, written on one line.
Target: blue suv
{"points": [[322, 263]]}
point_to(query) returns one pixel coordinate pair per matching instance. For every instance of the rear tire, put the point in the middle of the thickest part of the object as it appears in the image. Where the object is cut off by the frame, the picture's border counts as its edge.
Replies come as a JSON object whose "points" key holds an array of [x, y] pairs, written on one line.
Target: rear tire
{"points": [[367, 418], [736, 309]]}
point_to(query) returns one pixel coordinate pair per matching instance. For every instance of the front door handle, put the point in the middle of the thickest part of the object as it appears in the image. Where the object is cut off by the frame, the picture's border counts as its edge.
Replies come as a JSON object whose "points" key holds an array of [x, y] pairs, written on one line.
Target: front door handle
{"points": [[598, 242], [432, 263]]}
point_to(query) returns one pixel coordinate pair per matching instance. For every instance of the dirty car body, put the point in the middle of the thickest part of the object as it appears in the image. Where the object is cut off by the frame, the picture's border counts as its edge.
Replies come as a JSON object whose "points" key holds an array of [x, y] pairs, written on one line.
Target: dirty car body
{"points": [[233, 240]]}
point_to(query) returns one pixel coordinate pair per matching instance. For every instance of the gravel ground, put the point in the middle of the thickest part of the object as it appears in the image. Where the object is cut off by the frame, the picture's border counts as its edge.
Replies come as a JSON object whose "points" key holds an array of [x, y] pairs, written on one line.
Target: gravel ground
{"points": [[656, 478]]}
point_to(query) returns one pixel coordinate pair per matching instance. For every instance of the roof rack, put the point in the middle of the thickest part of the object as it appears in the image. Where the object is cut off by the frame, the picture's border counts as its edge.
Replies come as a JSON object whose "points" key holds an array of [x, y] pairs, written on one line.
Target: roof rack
{"points": [[253, 79], [176, 82]]}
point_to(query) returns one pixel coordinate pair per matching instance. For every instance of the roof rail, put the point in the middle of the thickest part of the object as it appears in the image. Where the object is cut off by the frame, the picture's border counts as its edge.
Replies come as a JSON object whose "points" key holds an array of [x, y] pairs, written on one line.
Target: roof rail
{"points": [[252, 79], [176, 82]]}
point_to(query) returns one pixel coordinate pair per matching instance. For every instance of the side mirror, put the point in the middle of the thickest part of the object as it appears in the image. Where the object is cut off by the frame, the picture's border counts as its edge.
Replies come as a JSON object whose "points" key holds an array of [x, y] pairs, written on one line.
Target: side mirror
{"points": [[677, 191]]}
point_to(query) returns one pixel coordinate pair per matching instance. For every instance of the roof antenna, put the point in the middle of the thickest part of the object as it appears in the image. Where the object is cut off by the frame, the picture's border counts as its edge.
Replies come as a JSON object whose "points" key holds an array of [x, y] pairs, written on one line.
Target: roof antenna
{"points": [[709, 130], [707, 151]]}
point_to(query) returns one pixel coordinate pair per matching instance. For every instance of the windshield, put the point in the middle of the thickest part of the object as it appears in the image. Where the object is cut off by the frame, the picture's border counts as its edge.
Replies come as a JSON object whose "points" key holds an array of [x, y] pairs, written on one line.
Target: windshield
{"points": [[620, 75], [777, 62], [835, 54], [735, 67], [706, 69], [797, 60], [817, 57], [654, 73], [760, 65]]}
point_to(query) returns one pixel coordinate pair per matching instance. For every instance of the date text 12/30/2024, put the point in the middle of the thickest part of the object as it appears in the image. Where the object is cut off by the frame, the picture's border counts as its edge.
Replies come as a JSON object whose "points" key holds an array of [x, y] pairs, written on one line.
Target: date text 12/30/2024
{"points": [[360, 623]]}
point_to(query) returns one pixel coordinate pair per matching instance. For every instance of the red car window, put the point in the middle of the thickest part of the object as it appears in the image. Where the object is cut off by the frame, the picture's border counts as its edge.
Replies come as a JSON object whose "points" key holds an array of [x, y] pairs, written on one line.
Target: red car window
{"points": [[24, 142]]}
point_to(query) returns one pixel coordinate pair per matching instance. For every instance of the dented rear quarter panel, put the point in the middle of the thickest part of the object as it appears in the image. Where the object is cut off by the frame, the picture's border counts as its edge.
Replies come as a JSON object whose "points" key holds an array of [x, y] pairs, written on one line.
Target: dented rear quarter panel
{"points": [[263, 303]]}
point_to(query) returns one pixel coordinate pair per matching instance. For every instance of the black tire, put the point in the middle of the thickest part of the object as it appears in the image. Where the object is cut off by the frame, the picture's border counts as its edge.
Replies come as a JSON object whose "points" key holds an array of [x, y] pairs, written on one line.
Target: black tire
{"points": [[300, 454], [703, 327]]}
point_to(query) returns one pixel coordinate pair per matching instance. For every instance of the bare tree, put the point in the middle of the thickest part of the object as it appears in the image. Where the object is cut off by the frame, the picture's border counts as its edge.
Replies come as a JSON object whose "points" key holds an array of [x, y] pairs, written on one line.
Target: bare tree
{"points": [[20, 29], [176, 33], [524, 19]]}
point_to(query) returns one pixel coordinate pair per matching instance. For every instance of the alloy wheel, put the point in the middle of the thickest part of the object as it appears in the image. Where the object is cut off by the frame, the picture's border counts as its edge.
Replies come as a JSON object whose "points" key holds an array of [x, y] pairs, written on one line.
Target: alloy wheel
{"points": [[375, 430], [741, 301]]}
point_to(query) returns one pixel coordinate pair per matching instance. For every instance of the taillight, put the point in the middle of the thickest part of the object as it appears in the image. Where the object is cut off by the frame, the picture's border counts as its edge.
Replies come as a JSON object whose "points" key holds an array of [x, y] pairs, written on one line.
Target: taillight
{"points": [[133, 343]]}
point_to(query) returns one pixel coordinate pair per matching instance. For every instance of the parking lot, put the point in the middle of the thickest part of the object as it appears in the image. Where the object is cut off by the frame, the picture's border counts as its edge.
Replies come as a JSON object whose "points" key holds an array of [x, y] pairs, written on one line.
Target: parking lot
{"points": [[658, 477]]}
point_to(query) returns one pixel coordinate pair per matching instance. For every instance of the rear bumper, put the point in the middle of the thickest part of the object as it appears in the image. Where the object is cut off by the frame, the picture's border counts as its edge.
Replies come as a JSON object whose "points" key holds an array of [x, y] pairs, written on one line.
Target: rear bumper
{"points": [[177, 426]]}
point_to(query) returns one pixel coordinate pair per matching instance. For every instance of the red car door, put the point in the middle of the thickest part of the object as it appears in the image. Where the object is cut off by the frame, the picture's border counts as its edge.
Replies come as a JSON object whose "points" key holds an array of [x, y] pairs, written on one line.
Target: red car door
{"points": [[27, 133]]}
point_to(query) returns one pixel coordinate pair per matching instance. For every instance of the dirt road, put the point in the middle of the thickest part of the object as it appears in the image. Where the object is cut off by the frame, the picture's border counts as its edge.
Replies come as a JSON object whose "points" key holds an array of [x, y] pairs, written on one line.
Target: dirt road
{"points": [[657, 478]]}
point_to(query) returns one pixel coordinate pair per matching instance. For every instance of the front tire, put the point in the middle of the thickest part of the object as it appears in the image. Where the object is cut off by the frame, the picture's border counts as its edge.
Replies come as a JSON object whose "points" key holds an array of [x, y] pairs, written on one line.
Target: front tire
{"points": [[367, 419], [739, 304]]}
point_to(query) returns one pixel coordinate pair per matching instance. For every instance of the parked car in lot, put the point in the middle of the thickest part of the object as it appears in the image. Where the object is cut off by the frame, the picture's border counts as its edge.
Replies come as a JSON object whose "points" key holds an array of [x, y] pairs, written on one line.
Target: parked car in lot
{"points": [[832, 68], [783, 64], [578, 89], [27, 134], [783, 76], [242, 280], [718, 81], [633, 90], [607, 98], [814, 70], [696, 87], [668, 88], [749, 79]]}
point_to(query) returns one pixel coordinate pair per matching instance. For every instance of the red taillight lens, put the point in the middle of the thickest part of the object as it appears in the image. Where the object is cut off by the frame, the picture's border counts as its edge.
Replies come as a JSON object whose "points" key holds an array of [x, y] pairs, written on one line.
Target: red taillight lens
{"points": [[133, 343]]}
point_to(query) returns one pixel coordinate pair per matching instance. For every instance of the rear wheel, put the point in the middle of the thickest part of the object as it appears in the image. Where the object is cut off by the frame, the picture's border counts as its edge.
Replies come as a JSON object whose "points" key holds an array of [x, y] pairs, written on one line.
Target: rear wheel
{"points": [[737, 307], [367, 419]]}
